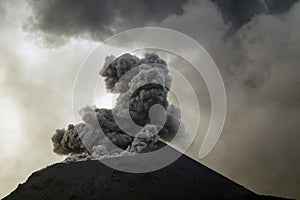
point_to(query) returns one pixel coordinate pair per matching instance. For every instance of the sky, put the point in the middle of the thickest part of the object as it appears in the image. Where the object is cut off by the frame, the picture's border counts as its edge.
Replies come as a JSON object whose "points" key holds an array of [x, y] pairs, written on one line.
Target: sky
{"points": [[43, 44]]}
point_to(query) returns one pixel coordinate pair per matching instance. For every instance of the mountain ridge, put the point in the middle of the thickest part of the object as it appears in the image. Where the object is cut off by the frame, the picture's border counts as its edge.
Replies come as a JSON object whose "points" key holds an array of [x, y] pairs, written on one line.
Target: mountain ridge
{"points": [[183, 179]]}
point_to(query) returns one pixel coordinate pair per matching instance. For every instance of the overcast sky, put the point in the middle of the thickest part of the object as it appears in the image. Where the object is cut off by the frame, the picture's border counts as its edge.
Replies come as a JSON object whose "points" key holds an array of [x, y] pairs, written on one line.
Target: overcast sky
{"points": [[43, 43]]}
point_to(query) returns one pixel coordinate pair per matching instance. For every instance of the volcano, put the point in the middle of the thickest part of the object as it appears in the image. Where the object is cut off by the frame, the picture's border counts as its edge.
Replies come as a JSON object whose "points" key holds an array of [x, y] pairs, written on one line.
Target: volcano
{"points": [[183, 179]]}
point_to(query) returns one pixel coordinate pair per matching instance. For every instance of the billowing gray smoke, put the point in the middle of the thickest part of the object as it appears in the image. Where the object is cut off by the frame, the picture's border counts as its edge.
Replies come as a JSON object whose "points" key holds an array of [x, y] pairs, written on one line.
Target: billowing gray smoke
{"points": [[57, 21], [141, 116]]}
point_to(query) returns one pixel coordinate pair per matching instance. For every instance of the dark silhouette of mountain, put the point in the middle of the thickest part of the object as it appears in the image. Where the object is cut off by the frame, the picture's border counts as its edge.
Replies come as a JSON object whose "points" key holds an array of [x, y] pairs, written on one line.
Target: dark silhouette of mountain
{"points": [[183, 179]]}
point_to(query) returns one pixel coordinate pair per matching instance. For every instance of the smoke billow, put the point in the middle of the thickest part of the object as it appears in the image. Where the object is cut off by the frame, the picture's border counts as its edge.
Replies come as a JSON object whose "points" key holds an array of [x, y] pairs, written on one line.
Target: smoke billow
{"points": [[67, 141], [241, 12], [57, 20], [259, 63], [142, 109]]}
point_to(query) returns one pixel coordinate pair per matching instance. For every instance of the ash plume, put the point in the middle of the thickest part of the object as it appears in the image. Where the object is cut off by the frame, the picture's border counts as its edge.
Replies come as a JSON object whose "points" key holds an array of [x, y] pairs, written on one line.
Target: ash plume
{"points": [[66, 141], [56, 21], [143, 85]]}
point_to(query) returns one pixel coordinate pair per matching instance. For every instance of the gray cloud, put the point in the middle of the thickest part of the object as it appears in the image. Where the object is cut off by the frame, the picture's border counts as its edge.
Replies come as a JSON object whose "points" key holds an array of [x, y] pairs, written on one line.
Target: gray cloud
{"points": [[142, 84], [57, 21], [241, 12], [260, 67], [67, 141]]}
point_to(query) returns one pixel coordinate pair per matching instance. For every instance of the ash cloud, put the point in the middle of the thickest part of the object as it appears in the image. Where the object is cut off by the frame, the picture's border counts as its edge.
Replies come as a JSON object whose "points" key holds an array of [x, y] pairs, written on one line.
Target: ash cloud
{"points": [[67, 141], [58, 20], [241, 12], [142, 84], [259, 63]]}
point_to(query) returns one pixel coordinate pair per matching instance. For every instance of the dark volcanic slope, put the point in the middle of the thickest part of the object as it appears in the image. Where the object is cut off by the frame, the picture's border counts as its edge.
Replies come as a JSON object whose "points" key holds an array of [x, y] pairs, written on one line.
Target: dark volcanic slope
{"points": [[184, 179]]}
